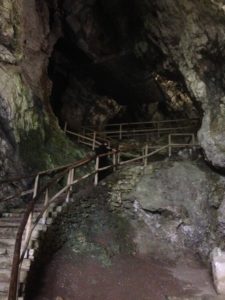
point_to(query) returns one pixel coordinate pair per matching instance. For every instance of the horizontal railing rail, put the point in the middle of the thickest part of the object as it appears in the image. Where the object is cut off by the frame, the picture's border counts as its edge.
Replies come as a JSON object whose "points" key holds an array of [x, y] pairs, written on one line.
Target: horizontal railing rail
{"points": [[125, 130], [148, 122], [94, 140]]}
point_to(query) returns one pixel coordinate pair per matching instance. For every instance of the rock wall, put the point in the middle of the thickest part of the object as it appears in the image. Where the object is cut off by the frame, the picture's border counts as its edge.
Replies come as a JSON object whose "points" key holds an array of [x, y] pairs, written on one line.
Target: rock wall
{"points": [[192, 37], [133, 42], [184, 42], [30, 138], [173, 207]]}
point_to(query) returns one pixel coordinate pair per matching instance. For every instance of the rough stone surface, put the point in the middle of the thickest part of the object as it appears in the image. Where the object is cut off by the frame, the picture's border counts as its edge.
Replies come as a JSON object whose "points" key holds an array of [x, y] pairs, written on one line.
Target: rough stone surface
{"points": [[130, 45], [183, 42], [30, 137], [174, 206], [218, 270]]}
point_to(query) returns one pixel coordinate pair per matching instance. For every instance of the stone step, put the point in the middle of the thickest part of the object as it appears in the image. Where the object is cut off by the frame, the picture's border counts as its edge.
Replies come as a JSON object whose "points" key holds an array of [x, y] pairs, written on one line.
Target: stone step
{"points": [[6, 263], [5, 297], [204, 297], [10, 219], [7, 246], [14, 214], [9, 224], [10, 232], [4, 286], [5, 275]]}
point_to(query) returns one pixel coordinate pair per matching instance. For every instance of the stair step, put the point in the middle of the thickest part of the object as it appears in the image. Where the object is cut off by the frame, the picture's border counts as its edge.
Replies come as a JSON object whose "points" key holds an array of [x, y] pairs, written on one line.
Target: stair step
{"points": [[6, 262], [10, 219], [4, 286], [8, 232], [7, 242], [5, 275], [14, 214], [9, 224], [3, 296]]}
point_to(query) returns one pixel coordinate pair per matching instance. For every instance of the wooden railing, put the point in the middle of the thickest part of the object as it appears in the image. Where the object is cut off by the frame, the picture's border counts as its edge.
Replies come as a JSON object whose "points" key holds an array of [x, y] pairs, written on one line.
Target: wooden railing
{"points": [[52, 192], [94, 140], [140, 129]]}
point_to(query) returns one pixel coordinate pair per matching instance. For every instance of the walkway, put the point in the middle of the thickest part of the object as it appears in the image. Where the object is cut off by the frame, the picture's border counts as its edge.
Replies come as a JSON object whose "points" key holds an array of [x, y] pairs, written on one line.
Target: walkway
{"points": [[48, 199]]}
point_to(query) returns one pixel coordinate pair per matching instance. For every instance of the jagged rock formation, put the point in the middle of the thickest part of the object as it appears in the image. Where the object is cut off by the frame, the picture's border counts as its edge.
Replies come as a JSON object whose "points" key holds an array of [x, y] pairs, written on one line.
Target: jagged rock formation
{"points": [[29, 134], [184, 41], [121, 46], [172, 206]]}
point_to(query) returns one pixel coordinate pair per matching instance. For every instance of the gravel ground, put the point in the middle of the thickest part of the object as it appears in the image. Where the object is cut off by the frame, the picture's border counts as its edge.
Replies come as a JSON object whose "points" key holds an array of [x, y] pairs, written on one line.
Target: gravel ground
{"points": [[73, 277]]}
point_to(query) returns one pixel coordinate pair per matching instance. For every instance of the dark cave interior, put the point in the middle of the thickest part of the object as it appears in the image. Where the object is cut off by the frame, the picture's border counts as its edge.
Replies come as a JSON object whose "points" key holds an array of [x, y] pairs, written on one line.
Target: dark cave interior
{"points": [[88, 66]]}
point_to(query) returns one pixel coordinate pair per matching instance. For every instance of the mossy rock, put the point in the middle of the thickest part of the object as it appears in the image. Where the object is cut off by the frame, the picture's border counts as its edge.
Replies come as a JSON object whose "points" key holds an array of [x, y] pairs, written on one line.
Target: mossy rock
{"points": [[47, 147]]}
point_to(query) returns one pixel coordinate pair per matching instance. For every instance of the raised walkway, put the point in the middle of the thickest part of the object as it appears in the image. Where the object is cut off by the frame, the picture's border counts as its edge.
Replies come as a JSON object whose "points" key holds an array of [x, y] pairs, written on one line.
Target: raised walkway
{"points": [[21, 227]]}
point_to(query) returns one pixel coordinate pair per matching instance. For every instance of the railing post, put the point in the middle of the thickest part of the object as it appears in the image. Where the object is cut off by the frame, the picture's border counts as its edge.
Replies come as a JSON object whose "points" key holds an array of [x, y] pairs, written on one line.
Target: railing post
{"points": [[114, 160], [96, 170], [158, 130], [193, 139], [121, 128], [118, 157], [29, 222], [45, 215], [146, 157], [65, 127], [94, 140], [170, 146], [69, 182]]}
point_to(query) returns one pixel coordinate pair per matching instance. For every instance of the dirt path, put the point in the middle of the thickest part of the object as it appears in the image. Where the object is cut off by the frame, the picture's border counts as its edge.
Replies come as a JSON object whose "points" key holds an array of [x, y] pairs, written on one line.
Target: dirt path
{"points": [[128, 278]]}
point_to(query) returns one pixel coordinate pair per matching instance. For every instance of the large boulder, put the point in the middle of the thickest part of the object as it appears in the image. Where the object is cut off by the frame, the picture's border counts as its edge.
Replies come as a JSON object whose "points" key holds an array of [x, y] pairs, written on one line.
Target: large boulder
{"points": [[177, 202]]}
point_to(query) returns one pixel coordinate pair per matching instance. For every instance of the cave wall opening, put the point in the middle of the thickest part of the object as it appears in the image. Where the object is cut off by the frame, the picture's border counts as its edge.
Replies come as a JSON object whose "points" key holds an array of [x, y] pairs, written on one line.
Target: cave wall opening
{"points": [[102, 71]]}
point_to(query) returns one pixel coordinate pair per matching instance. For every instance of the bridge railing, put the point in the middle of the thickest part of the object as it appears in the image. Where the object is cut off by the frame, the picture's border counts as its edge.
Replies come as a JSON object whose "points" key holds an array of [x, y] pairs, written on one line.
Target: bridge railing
{"points": [[60, 187]]}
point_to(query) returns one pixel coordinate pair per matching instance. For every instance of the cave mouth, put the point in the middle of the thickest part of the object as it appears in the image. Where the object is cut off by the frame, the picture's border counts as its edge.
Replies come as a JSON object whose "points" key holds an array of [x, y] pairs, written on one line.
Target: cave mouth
{"points": [[94, 89]]}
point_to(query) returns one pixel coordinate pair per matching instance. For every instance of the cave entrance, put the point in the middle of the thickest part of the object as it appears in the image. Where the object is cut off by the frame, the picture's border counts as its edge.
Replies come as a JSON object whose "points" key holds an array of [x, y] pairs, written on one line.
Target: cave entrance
{"points": [[99, 80], [84, 91]]}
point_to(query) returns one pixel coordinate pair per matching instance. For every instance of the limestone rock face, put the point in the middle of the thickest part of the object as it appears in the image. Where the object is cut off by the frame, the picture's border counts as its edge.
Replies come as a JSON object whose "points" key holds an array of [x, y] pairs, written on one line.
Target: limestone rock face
{"points": [[133, 43], [183, 41], [80, 105], [27, 124], [191, 34], [179, 200], [218, 270]]}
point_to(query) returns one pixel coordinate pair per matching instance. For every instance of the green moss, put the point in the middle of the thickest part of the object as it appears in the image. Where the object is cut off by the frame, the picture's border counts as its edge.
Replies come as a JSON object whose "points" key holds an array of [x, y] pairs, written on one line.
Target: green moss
{"points": [[47, 147], [122, 232]]}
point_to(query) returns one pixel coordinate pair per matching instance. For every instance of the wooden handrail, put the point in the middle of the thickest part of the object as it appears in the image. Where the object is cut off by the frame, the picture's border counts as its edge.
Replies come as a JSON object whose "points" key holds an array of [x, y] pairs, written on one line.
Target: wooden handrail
{"points": [[150, 130], [17, 249], [147, 122]]}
